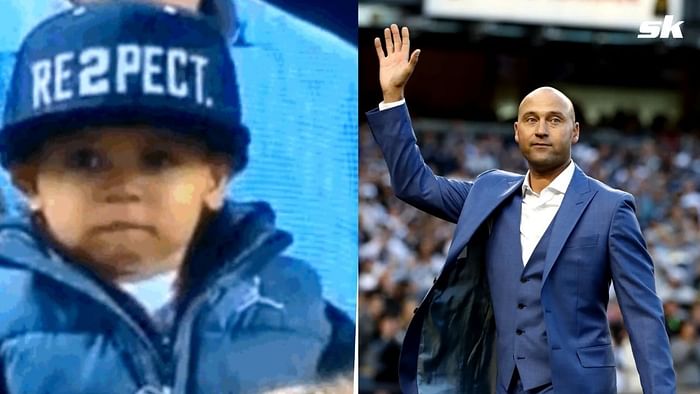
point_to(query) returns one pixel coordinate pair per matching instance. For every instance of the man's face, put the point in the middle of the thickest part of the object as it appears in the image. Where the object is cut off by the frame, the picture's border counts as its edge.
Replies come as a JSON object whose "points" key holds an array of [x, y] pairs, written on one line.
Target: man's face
{"points": [[546, 129], [125, 200]]}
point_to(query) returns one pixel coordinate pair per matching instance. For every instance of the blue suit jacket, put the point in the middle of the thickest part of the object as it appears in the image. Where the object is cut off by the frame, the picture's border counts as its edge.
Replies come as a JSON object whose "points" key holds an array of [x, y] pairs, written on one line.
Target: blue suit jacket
{"points": [[595, 239]]}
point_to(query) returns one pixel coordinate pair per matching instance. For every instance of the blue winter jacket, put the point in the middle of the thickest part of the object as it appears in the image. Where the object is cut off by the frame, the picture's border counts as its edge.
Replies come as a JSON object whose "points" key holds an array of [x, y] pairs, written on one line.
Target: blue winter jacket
{"points": [[245, 320]]}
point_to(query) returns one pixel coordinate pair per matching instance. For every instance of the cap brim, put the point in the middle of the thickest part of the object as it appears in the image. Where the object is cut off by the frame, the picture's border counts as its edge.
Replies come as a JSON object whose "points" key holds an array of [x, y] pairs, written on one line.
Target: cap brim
{"points": [[20, 140]]}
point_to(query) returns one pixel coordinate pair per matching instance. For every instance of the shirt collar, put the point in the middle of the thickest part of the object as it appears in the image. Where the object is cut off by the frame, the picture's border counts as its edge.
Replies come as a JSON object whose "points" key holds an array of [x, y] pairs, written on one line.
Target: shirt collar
{"points": [[559, 184]]}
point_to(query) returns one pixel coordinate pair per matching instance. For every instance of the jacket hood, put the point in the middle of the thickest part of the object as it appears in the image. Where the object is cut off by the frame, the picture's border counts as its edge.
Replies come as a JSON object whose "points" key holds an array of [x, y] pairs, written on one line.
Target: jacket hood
{"points": [[240, 240]]}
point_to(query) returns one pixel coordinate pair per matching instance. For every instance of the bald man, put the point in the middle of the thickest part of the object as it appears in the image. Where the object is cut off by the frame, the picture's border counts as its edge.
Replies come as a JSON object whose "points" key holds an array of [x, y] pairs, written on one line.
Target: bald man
{"points": [[530, 264]]}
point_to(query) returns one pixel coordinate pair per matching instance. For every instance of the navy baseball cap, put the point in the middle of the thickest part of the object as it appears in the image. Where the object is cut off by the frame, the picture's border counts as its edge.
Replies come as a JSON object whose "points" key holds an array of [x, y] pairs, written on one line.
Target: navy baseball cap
{"points": [[120, 64]]}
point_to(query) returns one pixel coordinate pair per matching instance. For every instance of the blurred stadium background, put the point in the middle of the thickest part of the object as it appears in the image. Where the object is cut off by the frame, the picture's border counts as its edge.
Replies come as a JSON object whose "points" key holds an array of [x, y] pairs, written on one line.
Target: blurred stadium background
{"points": [[638, 102], [297, 71]]}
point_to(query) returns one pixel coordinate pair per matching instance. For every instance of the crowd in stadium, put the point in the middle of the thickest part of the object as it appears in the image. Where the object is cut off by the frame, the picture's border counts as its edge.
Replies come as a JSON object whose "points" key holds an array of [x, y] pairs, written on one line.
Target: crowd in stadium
{"points": [[403, 249]]}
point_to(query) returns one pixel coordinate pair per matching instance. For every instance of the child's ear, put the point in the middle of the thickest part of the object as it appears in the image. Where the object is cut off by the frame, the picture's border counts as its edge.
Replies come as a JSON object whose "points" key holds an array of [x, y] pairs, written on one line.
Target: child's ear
{"points": [[220, 175], [24, 178]]}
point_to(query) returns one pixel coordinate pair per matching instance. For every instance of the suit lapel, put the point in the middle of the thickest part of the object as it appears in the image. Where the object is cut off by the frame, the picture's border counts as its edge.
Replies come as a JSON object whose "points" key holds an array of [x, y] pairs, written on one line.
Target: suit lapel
{"points": [[576, 199], [475, 214]]}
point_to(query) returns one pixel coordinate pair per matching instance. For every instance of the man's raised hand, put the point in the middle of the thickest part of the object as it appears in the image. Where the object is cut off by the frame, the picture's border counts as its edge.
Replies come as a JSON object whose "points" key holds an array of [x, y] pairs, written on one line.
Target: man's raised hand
{"points": [[395, 67]]}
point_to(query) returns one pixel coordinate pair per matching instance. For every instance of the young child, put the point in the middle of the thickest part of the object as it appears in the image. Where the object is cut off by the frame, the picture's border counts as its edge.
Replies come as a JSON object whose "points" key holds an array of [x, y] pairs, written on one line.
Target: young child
{"points": [[132, 272]]}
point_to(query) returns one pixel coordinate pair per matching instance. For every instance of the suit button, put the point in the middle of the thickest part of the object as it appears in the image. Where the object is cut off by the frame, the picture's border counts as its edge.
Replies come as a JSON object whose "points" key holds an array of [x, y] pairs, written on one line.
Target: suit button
{"points": [[415, 310], [521, 306], [519, 331], [434, 280]]}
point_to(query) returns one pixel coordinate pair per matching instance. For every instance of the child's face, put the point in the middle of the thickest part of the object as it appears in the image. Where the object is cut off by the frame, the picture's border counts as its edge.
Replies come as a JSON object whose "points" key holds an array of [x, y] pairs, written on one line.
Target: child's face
{"points": [[124, 199]]}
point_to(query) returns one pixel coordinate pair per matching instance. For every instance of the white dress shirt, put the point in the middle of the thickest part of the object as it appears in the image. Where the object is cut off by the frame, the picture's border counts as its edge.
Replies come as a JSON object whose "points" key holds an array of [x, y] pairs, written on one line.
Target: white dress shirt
{"points": [[538, 210], [383, 106]]}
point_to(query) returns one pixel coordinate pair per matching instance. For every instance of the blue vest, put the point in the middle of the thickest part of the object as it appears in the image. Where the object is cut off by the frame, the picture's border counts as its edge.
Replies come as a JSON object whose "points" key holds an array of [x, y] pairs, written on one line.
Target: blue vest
{"points": [[515, 292]]}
